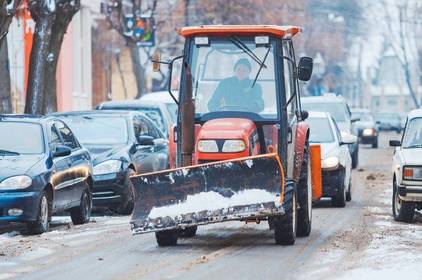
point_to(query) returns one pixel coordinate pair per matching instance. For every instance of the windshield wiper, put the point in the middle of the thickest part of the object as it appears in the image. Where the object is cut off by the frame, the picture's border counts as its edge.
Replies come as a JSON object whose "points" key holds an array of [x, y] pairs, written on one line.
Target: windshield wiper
{"points": [[6, 152], [260, 67], [238, 43]]}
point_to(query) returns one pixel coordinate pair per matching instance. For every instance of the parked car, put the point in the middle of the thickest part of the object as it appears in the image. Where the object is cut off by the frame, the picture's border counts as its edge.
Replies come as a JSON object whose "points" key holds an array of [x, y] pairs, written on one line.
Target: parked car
{"points": [[366, 126], [336, 162], [156, 111], [339, 110], [389, 121], [43, 171], [407, 169], [164, 97], [122, 143]]}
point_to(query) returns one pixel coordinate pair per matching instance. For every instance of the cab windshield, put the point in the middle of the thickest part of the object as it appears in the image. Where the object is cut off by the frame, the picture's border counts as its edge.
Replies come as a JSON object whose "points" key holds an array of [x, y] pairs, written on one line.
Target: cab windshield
{"points": [[413, 136], [234, 75]]}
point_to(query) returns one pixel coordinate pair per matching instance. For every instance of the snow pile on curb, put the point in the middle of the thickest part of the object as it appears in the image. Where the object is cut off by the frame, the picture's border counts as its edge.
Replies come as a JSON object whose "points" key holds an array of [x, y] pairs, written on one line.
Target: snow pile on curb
{"points": [[8, 235], [213, 201]]}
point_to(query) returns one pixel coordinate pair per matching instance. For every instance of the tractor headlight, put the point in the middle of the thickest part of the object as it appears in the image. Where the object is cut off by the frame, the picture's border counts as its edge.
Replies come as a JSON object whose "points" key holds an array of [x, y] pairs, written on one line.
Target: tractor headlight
{"points": [[234, 146], [330, 162], [368, 132], [107, 167], [16, 183], [207, 146]]}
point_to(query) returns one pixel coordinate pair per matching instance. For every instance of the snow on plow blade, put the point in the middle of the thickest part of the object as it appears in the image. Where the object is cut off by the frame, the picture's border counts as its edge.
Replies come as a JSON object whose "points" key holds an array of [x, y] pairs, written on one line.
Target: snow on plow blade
{"points": [[241, 189]]}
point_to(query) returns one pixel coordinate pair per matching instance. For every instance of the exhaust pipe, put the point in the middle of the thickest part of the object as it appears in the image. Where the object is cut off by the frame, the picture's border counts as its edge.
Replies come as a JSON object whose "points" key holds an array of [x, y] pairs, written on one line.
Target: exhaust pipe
{"points": [[187, 112]]}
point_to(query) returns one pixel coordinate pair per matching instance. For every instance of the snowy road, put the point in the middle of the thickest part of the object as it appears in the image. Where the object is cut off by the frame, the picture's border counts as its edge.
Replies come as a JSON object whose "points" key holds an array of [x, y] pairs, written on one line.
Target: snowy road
{"points": [[360, 241]]}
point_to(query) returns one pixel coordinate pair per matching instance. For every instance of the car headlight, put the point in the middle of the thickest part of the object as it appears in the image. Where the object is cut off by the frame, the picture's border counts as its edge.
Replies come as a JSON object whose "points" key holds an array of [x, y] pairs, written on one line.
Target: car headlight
{"points": [[107, 167], [330, 162], [412, 173], [16, 182], [207, 146], [234, 146], [368, 132]]}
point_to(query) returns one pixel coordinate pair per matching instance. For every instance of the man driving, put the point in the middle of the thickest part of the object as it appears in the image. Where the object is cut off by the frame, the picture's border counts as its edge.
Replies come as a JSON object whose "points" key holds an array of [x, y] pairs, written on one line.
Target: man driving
{"points": [[236, 93]]}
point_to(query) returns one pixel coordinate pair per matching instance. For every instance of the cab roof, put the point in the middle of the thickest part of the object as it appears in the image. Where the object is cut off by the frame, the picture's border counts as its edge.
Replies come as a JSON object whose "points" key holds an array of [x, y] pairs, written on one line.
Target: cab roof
{"points": [[416, 113], [274, 30]]}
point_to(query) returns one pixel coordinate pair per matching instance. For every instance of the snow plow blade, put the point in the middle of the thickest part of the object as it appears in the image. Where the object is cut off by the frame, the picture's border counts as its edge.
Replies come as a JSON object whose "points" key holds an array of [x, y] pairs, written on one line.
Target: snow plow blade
{"points": [[240, 189]]}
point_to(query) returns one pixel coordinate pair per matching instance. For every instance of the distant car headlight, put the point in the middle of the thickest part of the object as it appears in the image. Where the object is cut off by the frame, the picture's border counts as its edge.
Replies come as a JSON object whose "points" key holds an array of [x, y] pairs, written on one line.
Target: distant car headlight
{"points": [[330, 162], [16, 183], [207, 146], [369, 132], [234, 146], [412, 173], [107, 167]]}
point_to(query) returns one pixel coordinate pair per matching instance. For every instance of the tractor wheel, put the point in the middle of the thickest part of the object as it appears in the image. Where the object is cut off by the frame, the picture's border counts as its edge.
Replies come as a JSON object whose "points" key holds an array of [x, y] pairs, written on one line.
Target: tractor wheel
{"points": [[304, 213], [285, 225], [188, 232], [403, 211], [167, 238]]}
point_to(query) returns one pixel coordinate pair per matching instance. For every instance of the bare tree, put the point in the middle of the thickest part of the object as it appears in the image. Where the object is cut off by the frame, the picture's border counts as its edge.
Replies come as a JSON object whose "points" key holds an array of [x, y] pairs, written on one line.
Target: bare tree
{"points": [[52, 18], [7, 11]]}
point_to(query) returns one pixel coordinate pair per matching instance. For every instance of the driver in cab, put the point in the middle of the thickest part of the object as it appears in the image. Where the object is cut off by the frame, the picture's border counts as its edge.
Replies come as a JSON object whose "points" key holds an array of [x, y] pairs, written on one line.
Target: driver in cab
{"points": [[236, 93]]}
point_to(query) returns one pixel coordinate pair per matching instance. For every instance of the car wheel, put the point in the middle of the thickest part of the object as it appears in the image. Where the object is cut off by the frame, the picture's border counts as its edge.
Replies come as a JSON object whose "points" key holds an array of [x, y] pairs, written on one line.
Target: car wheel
{"points": [[304, 215], [403, 211], [339, 200], [126, 206], [167, 238], [42, 223], [375, 143], [82, 213], [349, 192], [355, 158], [285, 226]]}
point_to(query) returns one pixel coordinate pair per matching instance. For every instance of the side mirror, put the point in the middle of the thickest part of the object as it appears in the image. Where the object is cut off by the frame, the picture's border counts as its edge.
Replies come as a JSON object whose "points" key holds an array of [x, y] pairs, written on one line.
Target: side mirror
{"points": [[355, 120], [62, 151], [304, 70], [395, 143], [145, 140], [304, 114], [348, 139], [377, 122], [156, 61]]}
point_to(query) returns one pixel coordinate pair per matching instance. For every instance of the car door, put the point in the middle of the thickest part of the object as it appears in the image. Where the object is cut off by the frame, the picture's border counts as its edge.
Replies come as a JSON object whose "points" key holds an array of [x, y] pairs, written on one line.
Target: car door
{"points": [[160, 154], [78, 162], [60, 173]]}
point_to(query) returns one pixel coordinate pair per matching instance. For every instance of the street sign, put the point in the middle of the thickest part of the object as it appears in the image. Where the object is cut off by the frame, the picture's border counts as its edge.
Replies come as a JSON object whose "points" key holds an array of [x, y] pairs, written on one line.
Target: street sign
{"points": [[141, 30]]}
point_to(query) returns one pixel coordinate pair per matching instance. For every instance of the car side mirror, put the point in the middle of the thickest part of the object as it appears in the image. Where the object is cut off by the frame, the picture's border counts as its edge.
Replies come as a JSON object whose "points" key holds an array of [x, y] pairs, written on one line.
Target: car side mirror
{"points": [[304, 70], [62, 151], [304, 114], [348, 139], [146, 140], [395, 143], [355, 120], [377, 122]]}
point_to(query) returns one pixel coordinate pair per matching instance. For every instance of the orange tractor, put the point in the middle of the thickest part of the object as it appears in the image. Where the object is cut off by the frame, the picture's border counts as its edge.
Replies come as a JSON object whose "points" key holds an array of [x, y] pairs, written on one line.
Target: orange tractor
{"points": [[240, 145]]}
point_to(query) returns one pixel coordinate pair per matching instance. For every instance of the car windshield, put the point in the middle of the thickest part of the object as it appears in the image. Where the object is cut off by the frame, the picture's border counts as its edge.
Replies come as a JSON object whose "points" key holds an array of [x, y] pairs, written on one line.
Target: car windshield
{"points": [[224, 72], [320, 129], [337, 110], [26, 138], [388, 117], [413, 136], [153, 113], [172, 108], [363, 117], [96, 130]]}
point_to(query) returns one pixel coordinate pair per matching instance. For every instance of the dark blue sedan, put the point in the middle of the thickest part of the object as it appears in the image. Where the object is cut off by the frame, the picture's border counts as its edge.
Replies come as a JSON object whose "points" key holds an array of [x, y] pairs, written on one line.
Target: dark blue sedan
{"points": [[43, 170], [122, 143]]}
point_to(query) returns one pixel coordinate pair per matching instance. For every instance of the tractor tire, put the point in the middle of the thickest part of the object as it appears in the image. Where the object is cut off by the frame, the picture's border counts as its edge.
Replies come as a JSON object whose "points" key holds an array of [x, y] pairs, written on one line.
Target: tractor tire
{"points": [[304, 191], [285, 226], [188, 232], [82, 213], [42, 222], [128, 202], [167, 238], [403, 211]]}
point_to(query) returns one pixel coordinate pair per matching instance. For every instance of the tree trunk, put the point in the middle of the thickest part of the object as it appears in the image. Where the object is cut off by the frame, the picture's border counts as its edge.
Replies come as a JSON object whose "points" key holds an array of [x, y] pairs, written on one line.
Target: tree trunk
{"points": [[59, 30], [5, 87], [38, 59], [138, 71]]}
